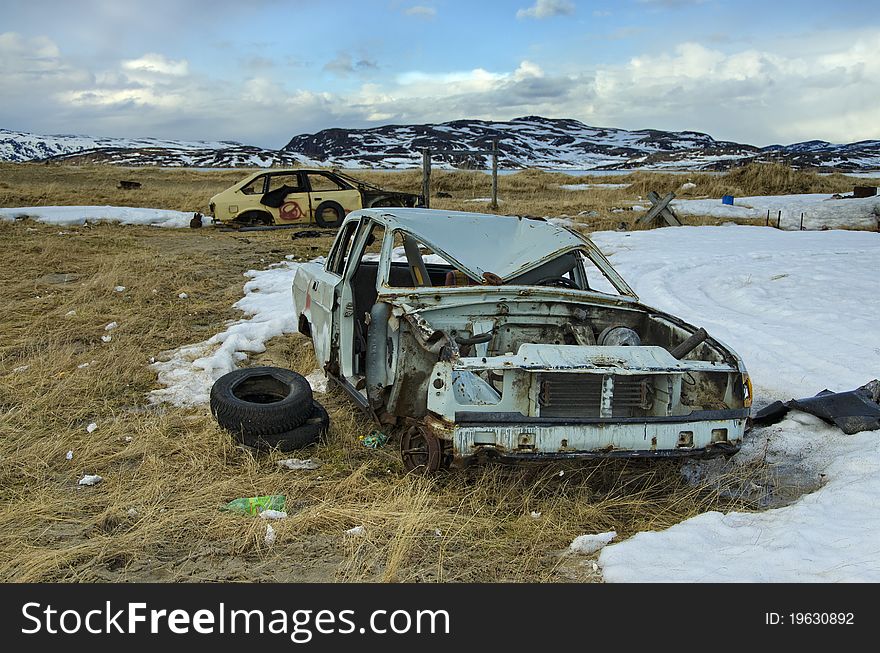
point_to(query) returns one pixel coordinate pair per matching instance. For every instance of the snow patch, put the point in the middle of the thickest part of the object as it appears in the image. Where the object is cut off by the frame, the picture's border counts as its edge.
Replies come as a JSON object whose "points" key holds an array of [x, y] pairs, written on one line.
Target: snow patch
{"points": [[777, 299], [296, 463], [189, 371], [587, 544], [79, 215], [819, 210], [592, 186]]}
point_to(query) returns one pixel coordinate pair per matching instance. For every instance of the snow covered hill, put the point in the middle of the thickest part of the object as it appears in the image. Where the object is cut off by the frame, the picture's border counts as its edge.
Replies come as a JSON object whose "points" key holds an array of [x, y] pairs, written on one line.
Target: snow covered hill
{"points": [[22, 146], [539, 142], [523, 142], [529, 142]]}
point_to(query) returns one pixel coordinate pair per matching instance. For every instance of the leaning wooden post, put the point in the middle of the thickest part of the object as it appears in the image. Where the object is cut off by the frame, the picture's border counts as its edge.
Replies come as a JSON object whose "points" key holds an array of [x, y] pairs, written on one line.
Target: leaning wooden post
{"points": [[494, 204], [426, 176]]}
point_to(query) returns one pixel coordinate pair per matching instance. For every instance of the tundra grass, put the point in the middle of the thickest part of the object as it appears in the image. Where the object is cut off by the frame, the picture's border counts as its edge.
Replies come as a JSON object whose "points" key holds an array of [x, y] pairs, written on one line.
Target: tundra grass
{"points": [[528, 192], [167, 470]]}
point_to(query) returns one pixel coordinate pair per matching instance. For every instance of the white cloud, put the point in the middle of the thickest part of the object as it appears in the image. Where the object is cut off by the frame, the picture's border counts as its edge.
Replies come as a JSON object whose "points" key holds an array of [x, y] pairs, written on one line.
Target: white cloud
{"points": [[103, 98], [546, 9], [752, 95], [527, 69], [421, 12], [31, 60], [38, 48], [819, 87], [157, 63]]}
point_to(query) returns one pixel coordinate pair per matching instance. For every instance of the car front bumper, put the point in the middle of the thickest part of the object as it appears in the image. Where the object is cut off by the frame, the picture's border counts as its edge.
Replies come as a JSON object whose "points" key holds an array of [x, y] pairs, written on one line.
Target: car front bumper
{"points": [[537, 439]]}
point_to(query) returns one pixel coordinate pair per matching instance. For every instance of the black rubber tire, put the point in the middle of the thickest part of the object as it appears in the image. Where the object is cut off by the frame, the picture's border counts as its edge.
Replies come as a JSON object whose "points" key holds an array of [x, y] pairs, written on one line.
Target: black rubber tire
{"points": [[335, 206], [261, 400], [302, 436]]}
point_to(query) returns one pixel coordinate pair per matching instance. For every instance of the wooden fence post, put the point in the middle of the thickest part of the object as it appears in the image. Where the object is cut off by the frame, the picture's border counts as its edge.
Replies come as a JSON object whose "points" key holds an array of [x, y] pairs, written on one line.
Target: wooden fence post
{"points": [[426, 176], [494, 204]]}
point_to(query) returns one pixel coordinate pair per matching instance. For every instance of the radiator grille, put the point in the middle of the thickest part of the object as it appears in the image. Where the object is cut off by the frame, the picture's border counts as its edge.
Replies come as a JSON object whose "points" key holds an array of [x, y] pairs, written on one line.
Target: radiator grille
{"points": [[580, 395]]}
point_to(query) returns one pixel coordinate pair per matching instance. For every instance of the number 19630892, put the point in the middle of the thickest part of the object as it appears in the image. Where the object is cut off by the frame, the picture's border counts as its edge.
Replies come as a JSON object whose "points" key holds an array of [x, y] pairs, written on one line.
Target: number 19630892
{"points": [[809, 618]]}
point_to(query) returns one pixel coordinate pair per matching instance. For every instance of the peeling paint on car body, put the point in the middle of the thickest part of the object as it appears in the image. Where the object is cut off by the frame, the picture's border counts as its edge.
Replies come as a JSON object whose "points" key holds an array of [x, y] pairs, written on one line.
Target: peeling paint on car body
{"points": [[515, 369]]}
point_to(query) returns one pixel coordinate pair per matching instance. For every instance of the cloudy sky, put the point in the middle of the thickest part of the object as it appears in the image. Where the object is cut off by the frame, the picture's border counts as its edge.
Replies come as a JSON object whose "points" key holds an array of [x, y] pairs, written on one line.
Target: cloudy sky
{"points": [[261, 71]]}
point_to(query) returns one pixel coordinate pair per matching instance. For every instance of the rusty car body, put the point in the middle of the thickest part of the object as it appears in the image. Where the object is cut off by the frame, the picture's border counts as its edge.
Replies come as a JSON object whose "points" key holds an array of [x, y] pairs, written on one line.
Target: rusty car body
{"points": [[289, 196], [511, 337]]}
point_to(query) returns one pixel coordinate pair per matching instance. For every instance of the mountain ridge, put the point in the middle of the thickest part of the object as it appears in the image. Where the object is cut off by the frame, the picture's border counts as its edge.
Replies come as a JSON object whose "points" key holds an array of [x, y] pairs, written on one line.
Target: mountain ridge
{"points": [[525, 142]]}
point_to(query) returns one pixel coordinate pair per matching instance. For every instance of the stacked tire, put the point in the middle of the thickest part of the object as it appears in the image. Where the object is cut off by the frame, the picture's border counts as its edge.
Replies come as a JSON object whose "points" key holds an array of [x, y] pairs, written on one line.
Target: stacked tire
{"points": [[268, 407]]}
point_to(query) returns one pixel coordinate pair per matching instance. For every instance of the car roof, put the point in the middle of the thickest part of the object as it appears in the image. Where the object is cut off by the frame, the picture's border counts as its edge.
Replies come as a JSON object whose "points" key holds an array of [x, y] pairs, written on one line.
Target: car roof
{"points": [[282, 171], [506, 245]]}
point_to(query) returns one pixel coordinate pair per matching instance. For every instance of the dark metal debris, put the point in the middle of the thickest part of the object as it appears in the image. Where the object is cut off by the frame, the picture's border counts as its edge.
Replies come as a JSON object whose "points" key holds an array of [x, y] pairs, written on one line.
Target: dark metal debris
{"points": [[852, 411], [308, 233]]}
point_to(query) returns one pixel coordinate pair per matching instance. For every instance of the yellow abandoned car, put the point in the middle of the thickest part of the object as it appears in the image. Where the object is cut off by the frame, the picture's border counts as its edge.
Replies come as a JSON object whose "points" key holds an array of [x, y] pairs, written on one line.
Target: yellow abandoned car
{"points": [[293, 196]]}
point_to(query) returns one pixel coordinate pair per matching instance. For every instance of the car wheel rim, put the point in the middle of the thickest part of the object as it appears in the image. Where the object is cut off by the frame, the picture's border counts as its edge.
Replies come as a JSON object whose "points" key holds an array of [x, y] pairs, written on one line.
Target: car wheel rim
{"points": [[421, 451]]}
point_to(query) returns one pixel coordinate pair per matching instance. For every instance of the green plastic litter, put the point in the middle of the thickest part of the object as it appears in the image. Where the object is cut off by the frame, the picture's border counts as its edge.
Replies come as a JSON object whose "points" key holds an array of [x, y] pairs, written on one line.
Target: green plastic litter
{"points": [[255, 505], [374, 440]]}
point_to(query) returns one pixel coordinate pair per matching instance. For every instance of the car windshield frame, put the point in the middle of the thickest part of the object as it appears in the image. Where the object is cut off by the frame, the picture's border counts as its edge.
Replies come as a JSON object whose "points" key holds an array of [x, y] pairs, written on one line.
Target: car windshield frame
{"points": [[587, 248]]}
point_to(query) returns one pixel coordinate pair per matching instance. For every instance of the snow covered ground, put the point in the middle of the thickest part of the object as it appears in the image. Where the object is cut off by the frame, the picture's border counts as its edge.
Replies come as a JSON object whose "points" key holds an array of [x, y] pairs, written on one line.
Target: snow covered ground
{"points": [[592, 186], [801, 309], [819, 210], [78, 215], [189, 372]]}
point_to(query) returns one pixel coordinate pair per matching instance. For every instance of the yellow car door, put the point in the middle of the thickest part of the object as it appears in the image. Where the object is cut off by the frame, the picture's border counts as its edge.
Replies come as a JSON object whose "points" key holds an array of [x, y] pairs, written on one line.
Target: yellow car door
{"points": [[294, 206], [332, 198]]}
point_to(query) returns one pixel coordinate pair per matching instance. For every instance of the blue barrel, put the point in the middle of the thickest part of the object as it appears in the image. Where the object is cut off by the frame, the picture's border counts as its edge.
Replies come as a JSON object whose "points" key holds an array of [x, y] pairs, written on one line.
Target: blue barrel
{"points": [[727, 199]]}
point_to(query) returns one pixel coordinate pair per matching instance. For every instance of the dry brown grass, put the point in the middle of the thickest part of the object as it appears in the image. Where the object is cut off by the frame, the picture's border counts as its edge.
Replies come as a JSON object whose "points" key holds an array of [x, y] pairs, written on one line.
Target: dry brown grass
{"points": [[175, 468], [528, 192], [38, 184]]}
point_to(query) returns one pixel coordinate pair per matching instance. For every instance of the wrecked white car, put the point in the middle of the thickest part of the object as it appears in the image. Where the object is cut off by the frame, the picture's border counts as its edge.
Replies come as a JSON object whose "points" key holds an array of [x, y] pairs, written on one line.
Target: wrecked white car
{"points": [[510, 337]]}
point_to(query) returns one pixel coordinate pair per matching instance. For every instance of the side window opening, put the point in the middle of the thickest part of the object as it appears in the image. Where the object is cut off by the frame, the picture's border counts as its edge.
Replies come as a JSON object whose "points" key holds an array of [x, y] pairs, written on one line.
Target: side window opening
{"points": [[595, 278], [414, 264], [319, 183], [255, 187], [342, 249], [292, 181]]}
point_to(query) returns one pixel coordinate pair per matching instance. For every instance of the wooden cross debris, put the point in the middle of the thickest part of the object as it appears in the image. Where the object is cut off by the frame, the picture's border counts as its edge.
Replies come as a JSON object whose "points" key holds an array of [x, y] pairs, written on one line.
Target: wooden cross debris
{"points": [[662, 209]]}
